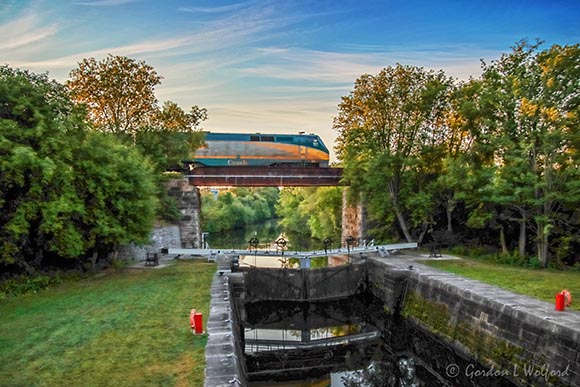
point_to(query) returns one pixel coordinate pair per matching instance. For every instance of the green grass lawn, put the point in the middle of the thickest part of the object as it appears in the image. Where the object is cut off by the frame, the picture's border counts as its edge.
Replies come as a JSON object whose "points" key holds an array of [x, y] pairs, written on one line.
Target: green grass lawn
{"points": [[541, 284], [126, 328]]}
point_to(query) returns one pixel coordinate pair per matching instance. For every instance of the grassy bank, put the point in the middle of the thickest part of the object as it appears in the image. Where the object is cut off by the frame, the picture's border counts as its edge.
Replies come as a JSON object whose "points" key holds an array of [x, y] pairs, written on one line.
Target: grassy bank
{"points": [[541, 284], [127, 328]]}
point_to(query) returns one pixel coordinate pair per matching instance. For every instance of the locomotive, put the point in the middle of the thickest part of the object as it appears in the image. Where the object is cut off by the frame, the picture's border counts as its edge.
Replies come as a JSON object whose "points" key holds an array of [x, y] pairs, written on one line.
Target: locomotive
{"points": [[257, 149]]}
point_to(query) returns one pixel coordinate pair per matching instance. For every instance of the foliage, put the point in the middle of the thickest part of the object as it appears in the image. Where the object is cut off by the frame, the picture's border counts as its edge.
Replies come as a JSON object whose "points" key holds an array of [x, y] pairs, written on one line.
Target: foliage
{"points": [[172, 137], [120, 198], [119, 93], [126, 328], [38, 129], [25, 285], [227, 210], [386, 126], [531, 118], [291, 219], [494, 159], [314, 212], [65, 192]]}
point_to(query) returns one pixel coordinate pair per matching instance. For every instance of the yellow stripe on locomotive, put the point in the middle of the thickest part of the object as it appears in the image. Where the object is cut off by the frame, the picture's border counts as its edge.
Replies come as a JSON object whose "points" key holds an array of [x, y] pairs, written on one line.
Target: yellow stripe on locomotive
{"points": [[236, 149]]}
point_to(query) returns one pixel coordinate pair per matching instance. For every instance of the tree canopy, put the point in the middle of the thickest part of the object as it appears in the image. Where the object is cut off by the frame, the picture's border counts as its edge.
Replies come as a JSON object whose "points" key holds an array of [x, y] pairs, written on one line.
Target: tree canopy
{"points": [[387, 126], [119, 95], [498, 154], [65, 192]]}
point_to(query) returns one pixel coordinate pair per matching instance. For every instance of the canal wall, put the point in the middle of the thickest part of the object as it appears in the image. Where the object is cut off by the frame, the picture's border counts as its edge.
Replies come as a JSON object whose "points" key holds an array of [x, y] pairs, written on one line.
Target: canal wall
{"points": [[224, 358], [516, 336]]}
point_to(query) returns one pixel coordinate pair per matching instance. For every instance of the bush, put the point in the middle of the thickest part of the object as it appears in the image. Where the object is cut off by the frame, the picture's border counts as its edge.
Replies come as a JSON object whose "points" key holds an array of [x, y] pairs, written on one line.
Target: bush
{"points": [[25, 285]]}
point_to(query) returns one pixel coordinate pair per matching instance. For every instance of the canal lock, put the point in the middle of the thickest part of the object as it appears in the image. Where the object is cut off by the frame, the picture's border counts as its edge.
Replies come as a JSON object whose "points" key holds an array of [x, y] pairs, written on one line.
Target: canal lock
{"points": [[328, 327]]}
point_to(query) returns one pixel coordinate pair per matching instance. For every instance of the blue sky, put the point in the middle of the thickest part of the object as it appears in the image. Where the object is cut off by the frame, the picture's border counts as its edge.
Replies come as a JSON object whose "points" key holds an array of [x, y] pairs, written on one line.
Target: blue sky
{"points": [[275, 65]]}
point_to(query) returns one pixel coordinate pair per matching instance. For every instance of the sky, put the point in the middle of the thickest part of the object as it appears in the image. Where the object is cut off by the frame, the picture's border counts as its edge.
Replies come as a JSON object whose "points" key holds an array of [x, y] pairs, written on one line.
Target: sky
{"points": [[275, 66]]}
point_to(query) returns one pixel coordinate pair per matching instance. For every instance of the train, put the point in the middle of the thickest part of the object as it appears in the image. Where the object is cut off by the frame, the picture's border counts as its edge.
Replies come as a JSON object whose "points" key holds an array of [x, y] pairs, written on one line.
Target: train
{"points": [[258, 149]]}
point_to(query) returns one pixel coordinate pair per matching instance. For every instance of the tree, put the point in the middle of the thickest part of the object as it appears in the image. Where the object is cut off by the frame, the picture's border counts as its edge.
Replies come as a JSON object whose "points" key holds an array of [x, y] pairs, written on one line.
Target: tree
{"points": [[172, 136], [311, 212], [292, 220], [64, 192], [119, 93], [118, 189], [532, 125], [222, 211], [324, 209], [38, 130], [384, 125]]}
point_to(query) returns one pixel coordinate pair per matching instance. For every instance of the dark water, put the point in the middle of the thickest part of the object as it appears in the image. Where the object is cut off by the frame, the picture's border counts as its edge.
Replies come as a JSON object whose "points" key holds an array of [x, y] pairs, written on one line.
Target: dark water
{"points": [[266, 233], [341, 343], [347, 343]]}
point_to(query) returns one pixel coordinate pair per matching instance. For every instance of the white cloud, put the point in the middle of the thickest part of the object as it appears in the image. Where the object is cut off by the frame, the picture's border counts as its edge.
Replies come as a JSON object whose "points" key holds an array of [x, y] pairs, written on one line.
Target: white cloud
{"points": [[106, 3], [24, 31], [219, 9]]}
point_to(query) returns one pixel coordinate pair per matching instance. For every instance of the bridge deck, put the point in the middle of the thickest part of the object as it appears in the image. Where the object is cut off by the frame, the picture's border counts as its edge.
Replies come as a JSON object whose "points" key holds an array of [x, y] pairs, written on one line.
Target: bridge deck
{"points": [[264, 176]]}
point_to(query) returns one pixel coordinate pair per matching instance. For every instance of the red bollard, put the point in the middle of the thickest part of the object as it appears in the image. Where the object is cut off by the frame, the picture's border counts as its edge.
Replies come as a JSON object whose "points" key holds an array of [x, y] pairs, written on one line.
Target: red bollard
{"points": [[192, 319], [560, 302], [198, 318]]}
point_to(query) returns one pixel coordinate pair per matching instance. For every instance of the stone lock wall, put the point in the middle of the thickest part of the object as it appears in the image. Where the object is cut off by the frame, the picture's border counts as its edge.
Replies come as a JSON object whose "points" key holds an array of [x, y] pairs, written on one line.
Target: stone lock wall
{"points": [[499, 329]]}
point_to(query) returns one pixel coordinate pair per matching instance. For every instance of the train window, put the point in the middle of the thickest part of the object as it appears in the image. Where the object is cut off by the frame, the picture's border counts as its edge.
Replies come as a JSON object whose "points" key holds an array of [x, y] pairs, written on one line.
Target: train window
{"points": [[315, 142], [254, 138], [268, 138]]}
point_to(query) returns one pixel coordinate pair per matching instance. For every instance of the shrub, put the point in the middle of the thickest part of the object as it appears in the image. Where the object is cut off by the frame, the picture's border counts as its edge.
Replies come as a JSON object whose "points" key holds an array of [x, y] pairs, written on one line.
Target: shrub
{"points": [[25, 285]]}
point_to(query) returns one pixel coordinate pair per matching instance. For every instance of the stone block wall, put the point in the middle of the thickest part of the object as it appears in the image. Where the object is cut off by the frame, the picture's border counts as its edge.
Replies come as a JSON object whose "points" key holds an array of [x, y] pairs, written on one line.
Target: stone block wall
{"points": [[529, 348], [161, 237], [353, 223], [387, 284], [516, 336], [189, 201]]}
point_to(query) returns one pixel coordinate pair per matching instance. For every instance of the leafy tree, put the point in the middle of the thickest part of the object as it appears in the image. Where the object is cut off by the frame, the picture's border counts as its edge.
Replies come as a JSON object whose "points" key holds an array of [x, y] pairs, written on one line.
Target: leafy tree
{"points": [[119, 93], [235, 208], [384, 125], [291, 218], [38, 130], [324, 209], [172, 136], [531, 121], [119, 199], [64, 192], [311, 212]]}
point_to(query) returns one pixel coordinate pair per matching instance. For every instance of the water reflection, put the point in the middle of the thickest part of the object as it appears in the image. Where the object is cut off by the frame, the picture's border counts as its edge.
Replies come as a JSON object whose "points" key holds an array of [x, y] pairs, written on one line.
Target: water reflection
{"points": [[345, 343], [267, 233]]}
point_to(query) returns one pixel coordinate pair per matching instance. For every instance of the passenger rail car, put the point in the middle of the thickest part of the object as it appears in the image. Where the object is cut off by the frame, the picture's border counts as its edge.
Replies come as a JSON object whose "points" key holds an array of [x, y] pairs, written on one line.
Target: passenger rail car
{"points": [[235, 149]]}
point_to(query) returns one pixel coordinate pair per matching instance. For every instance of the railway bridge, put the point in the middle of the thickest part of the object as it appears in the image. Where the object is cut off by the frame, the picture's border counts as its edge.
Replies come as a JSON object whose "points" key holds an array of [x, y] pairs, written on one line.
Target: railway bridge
{"points": [[264, 176]]}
